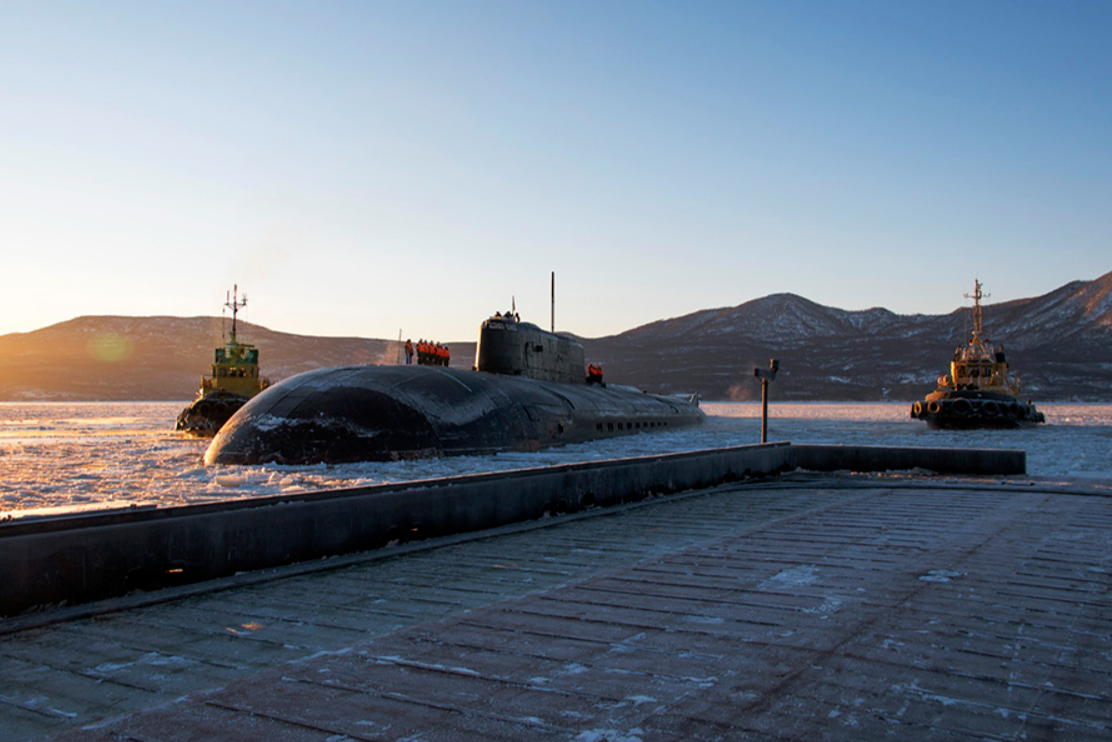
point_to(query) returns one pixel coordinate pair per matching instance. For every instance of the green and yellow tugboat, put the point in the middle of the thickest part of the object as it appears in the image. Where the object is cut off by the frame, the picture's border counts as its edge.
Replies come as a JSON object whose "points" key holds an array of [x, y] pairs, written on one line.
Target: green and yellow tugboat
{"points": [[235, 379], [977, 392]]}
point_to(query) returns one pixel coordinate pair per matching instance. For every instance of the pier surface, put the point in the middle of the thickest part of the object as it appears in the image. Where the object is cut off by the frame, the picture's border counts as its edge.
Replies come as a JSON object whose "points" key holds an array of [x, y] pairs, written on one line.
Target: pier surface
{"points": [[803, 607]]}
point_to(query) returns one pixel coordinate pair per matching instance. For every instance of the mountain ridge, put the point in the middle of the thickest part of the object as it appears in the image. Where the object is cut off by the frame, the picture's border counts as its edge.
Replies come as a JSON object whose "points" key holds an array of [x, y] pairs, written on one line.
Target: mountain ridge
{"points": [[1060, 344]]}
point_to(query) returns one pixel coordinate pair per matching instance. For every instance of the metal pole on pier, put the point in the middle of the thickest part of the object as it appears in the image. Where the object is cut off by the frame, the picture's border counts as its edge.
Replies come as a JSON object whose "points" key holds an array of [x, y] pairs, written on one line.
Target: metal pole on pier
{"points": [[766, 375], [553, 321]]}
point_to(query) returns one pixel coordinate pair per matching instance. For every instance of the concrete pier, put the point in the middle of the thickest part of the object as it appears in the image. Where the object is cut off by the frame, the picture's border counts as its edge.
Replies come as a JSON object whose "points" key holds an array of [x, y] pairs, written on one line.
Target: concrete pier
{"points": [[804, 607], [77, 559]]}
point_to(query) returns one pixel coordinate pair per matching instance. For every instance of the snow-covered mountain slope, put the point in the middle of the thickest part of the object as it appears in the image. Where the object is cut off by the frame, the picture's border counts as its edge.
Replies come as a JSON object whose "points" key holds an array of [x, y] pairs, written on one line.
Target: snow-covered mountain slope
{"points": [[1059, 343]]}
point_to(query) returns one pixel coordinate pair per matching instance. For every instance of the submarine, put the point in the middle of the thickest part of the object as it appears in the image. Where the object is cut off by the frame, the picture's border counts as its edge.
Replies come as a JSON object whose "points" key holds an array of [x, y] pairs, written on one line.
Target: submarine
{"points": [[528, 389]]}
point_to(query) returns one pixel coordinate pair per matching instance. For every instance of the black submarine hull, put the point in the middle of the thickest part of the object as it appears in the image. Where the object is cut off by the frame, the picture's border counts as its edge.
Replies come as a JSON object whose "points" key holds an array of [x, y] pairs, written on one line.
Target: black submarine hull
{"points": [[383, 413]]}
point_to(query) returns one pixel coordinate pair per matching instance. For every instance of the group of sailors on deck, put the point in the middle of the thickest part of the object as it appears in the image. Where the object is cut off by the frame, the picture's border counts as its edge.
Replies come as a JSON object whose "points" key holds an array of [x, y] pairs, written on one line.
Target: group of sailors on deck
{"points": [[427, 353]]}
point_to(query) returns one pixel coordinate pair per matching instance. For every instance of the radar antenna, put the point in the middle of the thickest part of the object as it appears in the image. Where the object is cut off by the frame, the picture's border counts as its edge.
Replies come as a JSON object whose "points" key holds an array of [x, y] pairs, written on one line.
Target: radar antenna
{"points": [[233, 302], [976, 296]]}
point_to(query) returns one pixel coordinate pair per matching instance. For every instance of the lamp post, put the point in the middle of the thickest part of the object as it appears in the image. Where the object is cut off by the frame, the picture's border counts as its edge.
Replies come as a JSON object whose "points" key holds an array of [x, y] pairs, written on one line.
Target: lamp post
{"points": [[766, 375]]}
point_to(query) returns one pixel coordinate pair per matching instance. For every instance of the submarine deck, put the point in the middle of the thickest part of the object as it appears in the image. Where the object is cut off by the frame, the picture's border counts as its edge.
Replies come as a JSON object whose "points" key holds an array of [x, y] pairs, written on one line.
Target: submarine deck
{"points": [[804, 607]]}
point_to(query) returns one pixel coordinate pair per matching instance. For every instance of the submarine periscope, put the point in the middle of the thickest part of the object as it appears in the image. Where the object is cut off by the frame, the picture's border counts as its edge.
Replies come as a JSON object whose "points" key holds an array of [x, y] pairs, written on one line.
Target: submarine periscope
{"points": [[528, 390]]}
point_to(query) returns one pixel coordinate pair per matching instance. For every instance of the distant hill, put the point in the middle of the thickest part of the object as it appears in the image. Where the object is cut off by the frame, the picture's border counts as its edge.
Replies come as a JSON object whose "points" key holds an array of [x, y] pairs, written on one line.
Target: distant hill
{"points": [[1060, 344], [155, 358]]}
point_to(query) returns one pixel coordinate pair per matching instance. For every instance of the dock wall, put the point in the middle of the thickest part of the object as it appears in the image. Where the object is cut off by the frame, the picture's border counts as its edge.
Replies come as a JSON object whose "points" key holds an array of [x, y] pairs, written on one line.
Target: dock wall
{"points": [[967, 461], [80, 558]]}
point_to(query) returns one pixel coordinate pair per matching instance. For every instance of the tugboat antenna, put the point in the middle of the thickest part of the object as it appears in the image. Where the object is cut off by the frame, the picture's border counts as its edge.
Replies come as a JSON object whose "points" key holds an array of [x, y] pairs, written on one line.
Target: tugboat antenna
{"points": [[235, 303], [976, 297]]}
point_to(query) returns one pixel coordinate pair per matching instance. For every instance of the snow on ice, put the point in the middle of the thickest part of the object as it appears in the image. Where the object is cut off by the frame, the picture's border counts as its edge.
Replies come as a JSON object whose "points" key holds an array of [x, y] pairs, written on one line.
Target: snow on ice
{"points": [[65, 457]]}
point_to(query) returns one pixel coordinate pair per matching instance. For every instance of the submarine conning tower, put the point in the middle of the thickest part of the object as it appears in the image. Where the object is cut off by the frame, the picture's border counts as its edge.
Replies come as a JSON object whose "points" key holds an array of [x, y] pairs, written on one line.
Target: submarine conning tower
{"points": [[511, 347]]}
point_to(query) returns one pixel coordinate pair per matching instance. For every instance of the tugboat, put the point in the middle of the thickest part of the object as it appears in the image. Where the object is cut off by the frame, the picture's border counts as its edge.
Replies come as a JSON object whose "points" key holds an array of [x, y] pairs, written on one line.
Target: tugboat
{"points": [[977, 392], [235, 379]]}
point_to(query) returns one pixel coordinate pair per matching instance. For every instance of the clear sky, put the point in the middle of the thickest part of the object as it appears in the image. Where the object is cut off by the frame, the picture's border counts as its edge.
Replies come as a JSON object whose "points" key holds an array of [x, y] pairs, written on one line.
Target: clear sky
{"points": [[362, 167]]}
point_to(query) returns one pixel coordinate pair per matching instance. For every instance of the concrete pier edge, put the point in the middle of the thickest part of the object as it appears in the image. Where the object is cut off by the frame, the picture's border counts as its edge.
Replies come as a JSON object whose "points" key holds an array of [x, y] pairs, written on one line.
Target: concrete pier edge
{"points": [[80, 558]]}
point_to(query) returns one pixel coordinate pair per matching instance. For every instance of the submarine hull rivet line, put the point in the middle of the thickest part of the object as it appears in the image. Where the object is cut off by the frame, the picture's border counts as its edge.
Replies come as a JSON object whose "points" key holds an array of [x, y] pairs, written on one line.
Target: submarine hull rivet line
{"points": [[528, 390], [977, 393]]}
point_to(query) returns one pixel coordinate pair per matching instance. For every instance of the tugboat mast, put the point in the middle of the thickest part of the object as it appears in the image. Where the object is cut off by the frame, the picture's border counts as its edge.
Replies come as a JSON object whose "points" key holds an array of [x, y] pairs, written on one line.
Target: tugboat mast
{"points": [[976, 297], [234, 303]]}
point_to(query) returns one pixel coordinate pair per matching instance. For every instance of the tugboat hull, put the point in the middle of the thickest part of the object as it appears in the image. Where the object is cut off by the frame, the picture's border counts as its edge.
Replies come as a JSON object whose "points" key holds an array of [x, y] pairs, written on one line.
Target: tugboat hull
{"points": [[963, 410], [205, 415], [382, 413]]}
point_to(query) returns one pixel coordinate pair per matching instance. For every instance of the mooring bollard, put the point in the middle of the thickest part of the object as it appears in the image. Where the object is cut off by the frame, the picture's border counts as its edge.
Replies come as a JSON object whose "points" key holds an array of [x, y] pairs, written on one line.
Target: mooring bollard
{"points": [[766, 375]]}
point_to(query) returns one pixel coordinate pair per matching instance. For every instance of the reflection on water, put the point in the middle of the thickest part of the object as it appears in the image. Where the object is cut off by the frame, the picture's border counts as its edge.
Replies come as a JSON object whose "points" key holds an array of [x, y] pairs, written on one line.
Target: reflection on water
{"points": [[94, 455]]}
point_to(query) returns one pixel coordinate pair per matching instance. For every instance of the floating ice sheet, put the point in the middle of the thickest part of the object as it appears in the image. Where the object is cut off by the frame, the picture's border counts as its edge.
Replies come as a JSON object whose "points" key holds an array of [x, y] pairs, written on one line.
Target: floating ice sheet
{"points": [[56, 457]]}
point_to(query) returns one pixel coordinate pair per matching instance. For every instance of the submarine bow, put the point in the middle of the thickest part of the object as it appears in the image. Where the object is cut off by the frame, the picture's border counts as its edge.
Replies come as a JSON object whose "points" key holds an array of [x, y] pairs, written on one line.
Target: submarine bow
{"points": [[382, 413]]}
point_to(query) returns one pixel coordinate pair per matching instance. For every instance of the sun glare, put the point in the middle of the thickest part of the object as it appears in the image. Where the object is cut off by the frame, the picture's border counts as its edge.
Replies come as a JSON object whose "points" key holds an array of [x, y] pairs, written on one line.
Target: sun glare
{"points": [[110, 347]]}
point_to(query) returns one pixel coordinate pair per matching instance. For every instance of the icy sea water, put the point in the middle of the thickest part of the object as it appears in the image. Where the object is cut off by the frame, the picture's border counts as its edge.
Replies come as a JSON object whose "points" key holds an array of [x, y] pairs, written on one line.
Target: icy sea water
{"points": [[57, 457]]}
